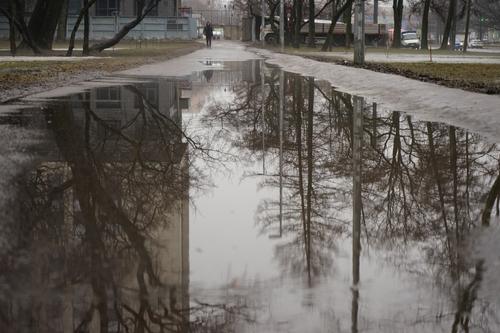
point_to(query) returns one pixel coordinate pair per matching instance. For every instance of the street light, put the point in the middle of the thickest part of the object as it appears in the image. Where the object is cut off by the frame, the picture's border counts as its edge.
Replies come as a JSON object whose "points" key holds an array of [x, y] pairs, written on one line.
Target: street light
{"points": [[282, 24], [359, 32]]}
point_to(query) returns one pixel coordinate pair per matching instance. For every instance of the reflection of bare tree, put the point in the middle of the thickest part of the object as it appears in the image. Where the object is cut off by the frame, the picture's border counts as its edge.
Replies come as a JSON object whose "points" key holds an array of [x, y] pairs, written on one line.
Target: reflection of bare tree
{"points": [[309, 231], [423, 184], [103, 228]]}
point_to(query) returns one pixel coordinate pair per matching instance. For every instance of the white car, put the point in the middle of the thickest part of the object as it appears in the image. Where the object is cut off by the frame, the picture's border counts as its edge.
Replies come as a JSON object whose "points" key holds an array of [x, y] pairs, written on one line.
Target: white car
{"points": [[476, 44], [410, 39]]}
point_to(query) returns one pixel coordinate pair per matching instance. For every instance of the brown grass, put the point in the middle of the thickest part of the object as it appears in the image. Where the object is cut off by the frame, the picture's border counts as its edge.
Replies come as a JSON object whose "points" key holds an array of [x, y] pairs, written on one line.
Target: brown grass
{"points": [[24, 74]]}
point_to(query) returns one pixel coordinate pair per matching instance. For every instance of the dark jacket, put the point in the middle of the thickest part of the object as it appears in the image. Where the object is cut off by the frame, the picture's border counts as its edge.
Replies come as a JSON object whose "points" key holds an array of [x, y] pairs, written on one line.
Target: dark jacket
{"points": [[208, 31]]}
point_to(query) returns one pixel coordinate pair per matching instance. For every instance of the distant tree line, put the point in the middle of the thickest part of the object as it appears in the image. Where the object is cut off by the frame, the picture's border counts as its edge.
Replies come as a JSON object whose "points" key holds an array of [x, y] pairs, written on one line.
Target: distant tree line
{"points": [[482, 14]]}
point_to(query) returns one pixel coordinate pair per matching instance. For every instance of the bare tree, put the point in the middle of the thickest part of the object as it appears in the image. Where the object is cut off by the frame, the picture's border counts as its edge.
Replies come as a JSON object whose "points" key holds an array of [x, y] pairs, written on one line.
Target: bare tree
{"points": [[144, 7], [343, 6], [397, 8]]}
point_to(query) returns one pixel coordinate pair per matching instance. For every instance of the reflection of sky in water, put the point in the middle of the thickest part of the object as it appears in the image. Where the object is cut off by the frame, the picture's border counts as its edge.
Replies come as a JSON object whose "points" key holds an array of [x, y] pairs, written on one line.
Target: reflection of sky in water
{"points": [[404, 287]]}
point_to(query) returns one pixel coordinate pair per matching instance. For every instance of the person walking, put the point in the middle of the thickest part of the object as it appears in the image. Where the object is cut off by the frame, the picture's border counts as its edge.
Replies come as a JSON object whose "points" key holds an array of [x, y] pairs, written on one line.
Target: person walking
{"points": [[208, 31]]}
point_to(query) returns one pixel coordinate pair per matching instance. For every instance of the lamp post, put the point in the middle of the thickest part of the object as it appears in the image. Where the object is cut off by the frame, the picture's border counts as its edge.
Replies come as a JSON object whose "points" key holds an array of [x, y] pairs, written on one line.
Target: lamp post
{"points": [[282, 24], [359, 32]]}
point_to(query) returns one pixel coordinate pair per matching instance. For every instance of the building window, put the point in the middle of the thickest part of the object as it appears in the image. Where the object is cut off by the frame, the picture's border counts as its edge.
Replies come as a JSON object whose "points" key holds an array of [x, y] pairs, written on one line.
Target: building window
{"points": [[153, 12], [148, 91], [74, 7], [108, 98], [107, 7]]}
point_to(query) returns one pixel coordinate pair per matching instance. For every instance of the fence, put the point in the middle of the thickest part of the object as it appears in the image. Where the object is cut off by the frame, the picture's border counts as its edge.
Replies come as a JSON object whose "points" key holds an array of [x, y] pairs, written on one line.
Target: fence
{"points": [[102, 27]]}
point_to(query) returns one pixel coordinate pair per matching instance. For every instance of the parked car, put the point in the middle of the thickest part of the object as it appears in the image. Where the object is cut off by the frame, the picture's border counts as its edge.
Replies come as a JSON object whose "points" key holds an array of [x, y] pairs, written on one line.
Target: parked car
{"points": [[410, 39], [476, 44], [459, 46], [217, 34]]}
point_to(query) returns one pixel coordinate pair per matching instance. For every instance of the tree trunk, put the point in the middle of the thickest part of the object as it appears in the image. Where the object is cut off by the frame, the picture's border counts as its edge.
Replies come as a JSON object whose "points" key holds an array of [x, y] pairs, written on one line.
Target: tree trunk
{"points": [[327, 46], [375, 11], [425, 25], [20, 24], [437, 178], [453, 166], [12, 28], [453, 29], [447, 27], [312, 31], [84, 10], [490, 202], [348, 25], [43, 22], [397, 7], [335, 17], [86, 29], [63, 22], [299, 105], [467, 22], [297, 23]]}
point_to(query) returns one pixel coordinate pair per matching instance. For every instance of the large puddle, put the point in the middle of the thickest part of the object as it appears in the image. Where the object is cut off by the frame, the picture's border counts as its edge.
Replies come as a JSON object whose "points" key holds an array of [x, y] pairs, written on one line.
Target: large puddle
{"points": [[199, 204]]}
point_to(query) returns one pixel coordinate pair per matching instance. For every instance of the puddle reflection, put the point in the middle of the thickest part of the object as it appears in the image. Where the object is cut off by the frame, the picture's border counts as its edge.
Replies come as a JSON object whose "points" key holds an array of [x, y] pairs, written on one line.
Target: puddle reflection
{"points": [[363, 219]]}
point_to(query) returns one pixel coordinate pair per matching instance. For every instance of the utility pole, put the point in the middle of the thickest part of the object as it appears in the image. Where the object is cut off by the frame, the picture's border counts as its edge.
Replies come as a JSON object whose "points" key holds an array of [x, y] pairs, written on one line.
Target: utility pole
{"points": [[359, 32], [282, 24], [375, 11]]}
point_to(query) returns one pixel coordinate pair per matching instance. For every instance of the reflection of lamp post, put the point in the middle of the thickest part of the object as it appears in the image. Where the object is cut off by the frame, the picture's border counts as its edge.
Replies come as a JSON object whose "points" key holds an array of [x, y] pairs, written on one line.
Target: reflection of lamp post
{"points": [[356, 205], [263, 106]]}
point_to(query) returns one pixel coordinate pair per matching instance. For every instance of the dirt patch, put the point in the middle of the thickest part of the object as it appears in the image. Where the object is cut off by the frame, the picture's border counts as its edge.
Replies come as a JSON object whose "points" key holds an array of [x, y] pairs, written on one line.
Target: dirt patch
{"points": [[481, 78], [21, 78]]}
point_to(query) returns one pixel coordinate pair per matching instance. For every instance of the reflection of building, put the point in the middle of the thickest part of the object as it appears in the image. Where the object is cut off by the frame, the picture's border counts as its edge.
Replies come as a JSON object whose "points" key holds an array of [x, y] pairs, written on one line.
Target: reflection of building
{"points": [[137, 112], [150, 113], [116, 125]]}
